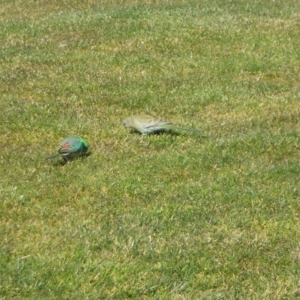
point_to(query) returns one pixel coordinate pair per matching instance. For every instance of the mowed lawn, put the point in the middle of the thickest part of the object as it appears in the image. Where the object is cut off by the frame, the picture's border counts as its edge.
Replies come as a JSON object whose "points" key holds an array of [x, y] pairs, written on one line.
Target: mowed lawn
{"points": [[165, 216]]}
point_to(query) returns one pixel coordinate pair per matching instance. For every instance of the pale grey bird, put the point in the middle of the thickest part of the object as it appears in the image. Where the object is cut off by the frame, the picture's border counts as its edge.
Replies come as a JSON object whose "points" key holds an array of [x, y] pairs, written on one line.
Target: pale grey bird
{"points": [[146, 124]]}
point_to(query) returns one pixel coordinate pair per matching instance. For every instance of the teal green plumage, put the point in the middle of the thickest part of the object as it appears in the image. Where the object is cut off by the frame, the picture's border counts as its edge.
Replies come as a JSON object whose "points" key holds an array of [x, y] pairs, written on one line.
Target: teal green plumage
{"points": [[71, 147], [146, 124]]}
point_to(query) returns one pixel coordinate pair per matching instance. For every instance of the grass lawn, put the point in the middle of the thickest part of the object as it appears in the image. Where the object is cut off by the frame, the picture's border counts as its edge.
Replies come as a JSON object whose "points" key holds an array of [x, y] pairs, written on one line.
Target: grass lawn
{"points": [[160, 216]]}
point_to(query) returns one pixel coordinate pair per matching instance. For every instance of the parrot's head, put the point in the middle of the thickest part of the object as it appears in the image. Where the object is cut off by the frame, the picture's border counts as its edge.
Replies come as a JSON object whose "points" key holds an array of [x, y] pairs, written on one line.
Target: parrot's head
{"points": [[126, 123], [85, 143]]}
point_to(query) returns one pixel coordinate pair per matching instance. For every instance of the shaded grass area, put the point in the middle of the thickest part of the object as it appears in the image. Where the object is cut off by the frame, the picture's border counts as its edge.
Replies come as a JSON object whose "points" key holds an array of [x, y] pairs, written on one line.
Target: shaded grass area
{"points": [[161, 216]]}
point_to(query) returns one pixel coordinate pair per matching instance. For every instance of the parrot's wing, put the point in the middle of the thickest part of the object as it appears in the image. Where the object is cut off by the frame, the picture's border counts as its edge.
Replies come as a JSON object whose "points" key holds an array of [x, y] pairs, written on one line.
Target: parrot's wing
{"points": [[146, 124], [157, 123], [65, 148], [149, 121], [69, 145]]}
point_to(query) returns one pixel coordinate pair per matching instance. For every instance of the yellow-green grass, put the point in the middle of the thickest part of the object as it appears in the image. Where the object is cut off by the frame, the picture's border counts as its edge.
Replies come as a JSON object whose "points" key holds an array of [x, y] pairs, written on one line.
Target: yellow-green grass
{"points": [[161, 216]]}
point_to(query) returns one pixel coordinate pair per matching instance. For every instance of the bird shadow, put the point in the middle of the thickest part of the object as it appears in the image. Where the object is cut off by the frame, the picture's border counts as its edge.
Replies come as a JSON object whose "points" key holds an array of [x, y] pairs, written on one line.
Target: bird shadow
{"points": [[157, 133]]}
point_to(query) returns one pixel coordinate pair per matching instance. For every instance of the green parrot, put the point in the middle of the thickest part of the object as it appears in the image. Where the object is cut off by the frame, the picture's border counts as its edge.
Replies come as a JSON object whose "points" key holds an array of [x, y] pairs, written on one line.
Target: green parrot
{"points": [[71, 147], [146, 124]]}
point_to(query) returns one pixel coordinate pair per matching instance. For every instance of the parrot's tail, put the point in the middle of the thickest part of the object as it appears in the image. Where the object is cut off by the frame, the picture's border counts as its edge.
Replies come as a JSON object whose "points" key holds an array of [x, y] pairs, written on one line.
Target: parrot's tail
{"points": [[53, 156]]}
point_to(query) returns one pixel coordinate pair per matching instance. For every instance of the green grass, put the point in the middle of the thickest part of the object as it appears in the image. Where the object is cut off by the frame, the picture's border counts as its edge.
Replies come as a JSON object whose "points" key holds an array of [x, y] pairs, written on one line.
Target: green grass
{"points": [[161, 216]]}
